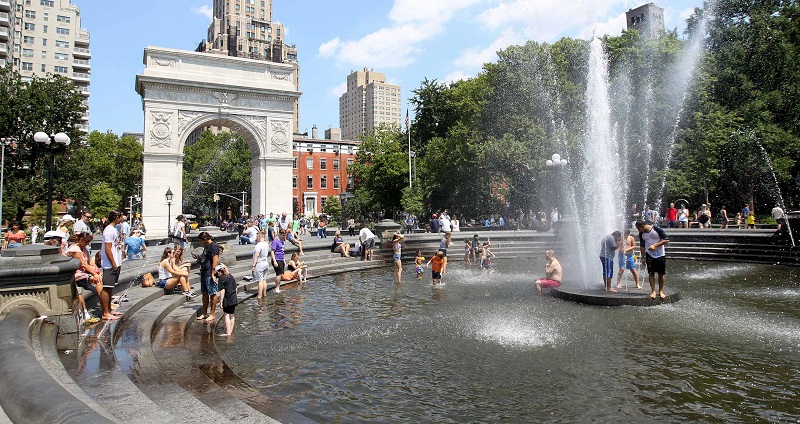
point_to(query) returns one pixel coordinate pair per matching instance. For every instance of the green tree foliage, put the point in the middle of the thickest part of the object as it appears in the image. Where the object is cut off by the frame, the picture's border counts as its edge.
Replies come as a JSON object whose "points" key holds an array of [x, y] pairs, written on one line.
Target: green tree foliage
{"points": [[51, 104], [412, 201], [103, 199], [380, 171], [102, 158], [333, 207], [215, 163]]}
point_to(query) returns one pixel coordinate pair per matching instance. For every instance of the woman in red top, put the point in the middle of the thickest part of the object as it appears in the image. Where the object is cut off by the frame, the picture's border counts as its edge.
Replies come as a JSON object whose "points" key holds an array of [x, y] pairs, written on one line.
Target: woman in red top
{"points": [[15, 237]]}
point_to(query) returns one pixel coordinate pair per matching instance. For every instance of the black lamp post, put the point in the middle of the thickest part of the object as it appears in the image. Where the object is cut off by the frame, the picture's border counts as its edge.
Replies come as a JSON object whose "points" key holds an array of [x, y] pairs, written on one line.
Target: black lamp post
{"points": [[168, 196], [61, 142]]}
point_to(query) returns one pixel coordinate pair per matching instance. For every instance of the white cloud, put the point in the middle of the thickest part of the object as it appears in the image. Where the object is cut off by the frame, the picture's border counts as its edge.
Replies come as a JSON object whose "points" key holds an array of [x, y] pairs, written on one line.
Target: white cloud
{"points": [[204, 10], [475, 58], [613, 26], [676, 18], [398, 44], [457, 76], [339, 89]]}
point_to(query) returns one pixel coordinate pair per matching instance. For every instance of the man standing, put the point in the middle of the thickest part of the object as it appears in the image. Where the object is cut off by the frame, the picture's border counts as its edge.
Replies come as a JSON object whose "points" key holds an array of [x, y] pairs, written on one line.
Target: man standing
{"points": [[208, 262], [552, 270], [745, 211], [434, 223], [367, 239], [779, 216], [651, 241], [35, 233], [608, 247], [110, 261], [82, 226], [672, 216]]}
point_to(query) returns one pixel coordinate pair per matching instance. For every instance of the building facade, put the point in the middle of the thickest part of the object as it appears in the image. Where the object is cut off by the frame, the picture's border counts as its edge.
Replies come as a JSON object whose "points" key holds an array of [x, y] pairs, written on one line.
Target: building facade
{"points": [[48, 39], [368, 102], [244, 28], [647, 19], [320, 170], [7, 13]]}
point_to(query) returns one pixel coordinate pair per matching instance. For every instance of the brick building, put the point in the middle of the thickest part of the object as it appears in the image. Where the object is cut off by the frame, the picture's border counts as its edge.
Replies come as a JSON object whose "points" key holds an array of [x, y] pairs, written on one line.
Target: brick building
{"points": [[320, 169]]}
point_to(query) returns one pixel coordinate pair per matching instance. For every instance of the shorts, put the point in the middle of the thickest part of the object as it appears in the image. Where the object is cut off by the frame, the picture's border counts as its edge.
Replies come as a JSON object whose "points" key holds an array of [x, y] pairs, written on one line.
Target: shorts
{"points": [[545, 282], [161, 283], [443, 251], [110, 278], [369, 244], [208, 286], [396, 257], [260, 271], [418, 270], [486, 263], [627, 261], [656, 265], [85, 285], [608, 267], [279, 269], [229, 309], [436, 275]]}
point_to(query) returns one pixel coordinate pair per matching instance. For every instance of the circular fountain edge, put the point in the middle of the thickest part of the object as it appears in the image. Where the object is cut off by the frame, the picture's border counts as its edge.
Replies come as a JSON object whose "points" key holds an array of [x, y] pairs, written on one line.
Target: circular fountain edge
{"points": [[600, 297]]}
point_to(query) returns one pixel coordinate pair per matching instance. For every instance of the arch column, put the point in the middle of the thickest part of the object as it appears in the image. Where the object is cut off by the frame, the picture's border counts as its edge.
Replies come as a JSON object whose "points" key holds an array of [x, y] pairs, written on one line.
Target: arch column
{"points": [[159, 173]]}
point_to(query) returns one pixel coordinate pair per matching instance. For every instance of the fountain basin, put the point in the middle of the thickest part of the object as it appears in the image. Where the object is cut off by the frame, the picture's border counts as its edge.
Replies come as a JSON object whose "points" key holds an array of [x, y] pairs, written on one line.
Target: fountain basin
{"points": [[600, 297]]}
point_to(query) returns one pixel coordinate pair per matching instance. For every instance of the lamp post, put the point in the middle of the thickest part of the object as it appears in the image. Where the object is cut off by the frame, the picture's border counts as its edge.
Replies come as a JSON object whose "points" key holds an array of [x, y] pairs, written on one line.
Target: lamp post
{"points": [[5, 141], [168, 195], [557, 161], [61, 142], [414, 156]]}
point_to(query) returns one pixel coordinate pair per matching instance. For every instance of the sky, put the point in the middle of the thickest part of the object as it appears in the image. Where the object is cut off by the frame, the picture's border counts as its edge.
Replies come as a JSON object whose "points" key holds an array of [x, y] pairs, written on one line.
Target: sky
{"points": [[408, 40]]}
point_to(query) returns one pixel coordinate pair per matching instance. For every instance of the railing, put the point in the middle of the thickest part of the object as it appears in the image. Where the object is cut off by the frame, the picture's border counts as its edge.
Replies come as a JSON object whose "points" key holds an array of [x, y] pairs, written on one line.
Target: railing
{"points": [[80, 61], [80, 75], [3, 17], [81, 50]]}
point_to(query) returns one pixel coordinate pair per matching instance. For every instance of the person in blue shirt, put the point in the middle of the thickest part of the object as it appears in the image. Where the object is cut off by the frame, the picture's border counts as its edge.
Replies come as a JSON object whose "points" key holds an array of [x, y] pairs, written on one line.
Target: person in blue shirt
{"points": [[135, 247]]}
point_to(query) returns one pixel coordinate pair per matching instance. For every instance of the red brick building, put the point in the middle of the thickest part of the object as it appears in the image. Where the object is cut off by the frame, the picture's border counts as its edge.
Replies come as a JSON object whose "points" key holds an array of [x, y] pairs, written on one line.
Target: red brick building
{"points": [[320, 169]]}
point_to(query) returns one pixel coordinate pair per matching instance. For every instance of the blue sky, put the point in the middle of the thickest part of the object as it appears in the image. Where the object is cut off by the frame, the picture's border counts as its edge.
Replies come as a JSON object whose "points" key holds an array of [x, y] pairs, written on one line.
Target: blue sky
{"points": [[408, 40]]}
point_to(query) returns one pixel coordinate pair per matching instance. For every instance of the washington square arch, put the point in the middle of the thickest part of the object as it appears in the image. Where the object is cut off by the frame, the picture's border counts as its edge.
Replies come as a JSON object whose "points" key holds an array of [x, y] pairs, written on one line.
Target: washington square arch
{"points": [[183, 91]]}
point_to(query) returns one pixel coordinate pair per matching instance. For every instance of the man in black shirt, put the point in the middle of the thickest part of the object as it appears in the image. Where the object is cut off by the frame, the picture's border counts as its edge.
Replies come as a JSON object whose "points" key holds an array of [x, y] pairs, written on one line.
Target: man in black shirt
{"points": [[208, 261]]}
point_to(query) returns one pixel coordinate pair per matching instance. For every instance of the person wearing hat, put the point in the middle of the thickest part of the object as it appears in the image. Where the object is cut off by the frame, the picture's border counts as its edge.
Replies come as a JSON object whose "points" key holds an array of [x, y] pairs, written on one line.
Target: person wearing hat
{"points": [[397, 256], [135, 247], [63, 227], [227, 296], [54, 238]]}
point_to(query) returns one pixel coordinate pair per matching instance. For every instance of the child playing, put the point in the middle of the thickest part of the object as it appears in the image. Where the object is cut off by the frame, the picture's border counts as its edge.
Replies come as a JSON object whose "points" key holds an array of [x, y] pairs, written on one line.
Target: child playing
{"points": [[418, 261], [475, 246], [438, 266], [227, 295], [467, 251], [486, 256]]}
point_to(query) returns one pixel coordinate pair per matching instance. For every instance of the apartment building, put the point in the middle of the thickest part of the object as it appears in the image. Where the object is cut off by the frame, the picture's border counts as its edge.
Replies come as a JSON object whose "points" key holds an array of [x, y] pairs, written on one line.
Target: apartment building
{"points": [[7, 8], [244, 28], [320, 169], [48, 39], [368, 102]]}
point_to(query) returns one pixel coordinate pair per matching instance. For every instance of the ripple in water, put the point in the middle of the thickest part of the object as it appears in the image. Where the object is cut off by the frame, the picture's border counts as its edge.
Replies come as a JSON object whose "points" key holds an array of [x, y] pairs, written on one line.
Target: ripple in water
{"points": [[715, 271]]}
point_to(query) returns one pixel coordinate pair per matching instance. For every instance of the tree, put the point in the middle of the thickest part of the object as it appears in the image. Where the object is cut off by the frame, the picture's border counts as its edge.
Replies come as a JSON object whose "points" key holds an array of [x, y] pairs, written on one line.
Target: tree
{"points": [[103, 199], [333, 207], [51, 104], [380, 171], [412, 201]]}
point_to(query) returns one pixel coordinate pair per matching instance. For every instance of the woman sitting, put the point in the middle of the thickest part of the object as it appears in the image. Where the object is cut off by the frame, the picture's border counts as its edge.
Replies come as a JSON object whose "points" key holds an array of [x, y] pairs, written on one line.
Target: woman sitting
{"points": [[294, 239], [169, 276], [339, 246], [88, 279], [298, 268]]}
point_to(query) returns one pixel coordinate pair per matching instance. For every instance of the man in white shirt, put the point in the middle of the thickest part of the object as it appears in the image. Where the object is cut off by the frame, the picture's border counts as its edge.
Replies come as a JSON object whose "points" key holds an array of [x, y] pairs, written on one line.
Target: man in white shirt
{"points": [[651, 242], [82, 225], [779, 216], [367, 239], [249, 234], [110, 260]]}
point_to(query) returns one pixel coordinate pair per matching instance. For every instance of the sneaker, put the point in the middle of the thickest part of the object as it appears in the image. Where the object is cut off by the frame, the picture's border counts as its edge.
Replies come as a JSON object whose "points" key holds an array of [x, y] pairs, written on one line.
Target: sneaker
{"points": [[190, 294]]}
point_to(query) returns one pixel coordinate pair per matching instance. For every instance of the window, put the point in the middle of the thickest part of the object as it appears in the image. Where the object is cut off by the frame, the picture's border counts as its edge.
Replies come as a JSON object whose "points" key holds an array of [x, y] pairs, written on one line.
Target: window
{"points": [[27, 52], [323, 164], [48, 3], [44, 55], [63, 44], [309, 163], [336, 164], [44, 28], [46, 16], [64, 19], [294, 163], [294, 181], [323, 182], [349, 162], [62, 56], [322, 200], [60, 69], [336, 182], [64, 31], [29, 26], [349, 183], [44, 42], [310, 182], [27, 66], [44, 67], [30, 14]]}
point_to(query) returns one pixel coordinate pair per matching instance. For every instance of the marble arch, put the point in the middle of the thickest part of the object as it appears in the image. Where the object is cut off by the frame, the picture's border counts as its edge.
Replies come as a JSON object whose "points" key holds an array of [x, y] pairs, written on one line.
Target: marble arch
{"points": [[184, 90]]}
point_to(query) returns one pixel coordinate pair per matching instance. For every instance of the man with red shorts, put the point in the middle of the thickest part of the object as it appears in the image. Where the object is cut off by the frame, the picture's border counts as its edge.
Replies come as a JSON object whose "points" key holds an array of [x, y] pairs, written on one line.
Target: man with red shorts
{"points": [[552, 270]]}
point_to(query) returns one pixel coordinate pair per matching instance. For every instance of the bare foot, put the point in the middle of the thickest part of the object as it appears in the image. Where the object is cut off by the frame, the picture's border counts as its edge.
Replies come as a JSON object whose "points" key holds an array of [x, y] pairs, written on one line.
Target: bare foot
{"points": [[653, 295], [210, 318], [619, 286], [201, 317], [115, 313], [638, 287], [110, 317], [662, 295], [612, 290], [224, 335]]}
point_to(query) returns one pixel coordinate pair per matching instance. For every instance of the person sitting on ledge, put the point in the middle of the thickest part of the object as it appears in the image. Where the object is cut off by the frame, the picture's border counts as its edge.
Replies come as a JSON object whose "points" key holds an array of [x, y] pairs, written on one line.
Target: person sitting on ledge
{"points": [[552, 270]]}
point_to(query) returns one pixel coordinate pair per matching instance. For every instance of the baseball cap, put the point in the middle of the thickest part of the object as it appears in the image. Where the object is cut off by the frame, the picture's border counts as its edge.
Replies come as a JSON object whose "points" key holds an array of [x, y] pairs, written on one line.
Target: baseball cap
{"points": [[67, 217], [219, 267], [52, 234]]}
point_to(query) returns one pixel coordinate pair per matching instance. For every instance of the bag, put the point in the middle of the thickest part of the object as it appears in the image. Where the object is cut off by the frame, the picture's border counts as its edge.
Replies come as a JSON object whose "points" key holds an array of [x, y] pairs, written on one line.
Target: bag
{"points": [[148, 280]]}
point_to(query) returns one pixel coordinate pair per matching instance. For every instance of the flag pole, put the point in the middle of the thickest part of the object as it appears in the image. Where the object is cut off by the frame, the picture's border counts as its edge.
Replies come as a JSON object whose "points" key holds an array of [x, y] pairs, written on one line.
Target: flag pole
{"points": [[408, 130]]}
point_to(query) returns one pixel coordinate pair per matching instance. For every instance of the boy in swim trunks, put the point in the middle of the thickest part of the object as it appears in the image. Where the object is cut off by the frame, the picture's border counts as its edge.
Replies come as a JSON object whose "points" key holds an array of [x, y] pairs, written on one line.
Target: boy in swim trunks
{"points": [[552, 270], [627, 259]]}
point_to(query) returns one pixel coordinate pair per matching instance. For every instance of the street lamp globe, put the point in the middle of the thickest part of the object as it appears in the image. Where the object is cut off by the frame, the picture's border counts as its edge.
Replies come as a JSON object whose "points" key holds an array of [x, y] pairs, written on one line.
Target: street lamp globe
{"points": [[563, 162], [168, 195], [41, 137], [556, 158], [549, 162], [61, 138]]}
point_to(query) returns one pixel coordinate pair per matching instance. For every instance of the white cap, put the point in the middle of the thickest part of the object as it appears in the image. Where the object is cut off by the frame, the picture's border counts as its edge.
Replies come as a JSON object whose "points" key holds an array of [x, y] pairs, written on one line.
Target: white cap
{"points": [[67, 217], [219, 267], [52, 234]]}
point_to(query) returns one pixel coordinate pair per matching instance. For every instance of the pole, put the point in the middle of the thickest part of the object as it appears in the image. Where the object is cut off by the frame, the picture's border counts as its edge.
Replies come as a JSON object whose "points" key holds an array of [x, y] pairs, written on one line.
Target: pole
{"points": [[409, 155], [49, 223], [169, 214], [2, 175]]}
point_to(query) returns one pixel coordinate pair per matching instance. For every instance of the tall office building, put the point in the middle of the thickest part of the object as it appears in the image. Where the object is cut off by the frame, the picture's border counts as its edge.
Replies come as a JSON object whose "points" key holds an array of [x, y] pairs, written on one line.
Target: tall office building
{"points": [[368, 102], [244, 28], [648, 19], [48, 38], [7, 8]]}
